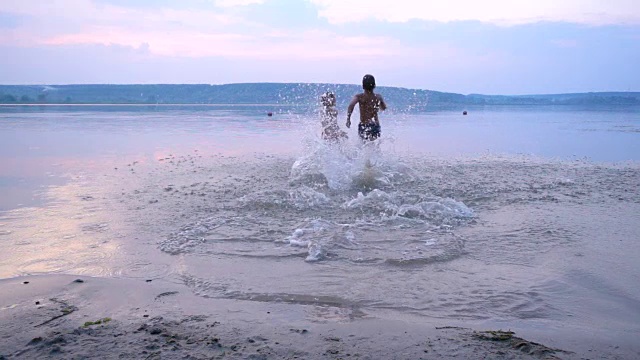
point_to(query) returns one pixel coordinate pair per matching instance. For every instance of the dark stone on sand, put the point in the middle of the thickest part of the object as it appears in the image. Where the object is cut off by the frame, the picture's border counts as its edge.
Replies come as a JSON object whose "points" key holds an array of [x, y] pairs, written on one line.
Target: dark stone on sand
{"points": [[57, 340], [80, 281], [145, 315], [168, 293], [37, 302], [35, 341], [155, 331], [148, 280], [25, 282]]}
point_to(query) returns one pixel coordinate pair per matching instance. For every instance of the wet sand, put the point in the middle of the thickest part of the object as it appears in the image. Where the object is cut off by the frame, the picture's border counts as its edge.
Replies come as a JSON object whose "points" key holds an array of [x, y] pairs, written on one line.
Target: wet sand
{"points": [[64, 316]]}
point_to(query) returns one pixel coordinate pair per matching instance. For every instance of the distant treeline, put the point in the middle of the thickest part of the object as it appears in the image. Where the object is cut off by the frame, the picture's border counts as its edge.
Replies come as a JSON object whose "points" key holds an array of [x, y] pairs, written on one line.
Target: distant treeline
{"points": [[283, 94]]}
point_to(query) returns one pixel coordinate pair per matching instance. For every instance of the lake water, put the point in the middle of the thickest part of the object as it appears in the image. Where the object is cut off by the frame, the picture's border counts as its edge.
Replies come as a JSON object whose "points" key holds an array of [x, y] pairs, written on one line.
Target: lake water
{"points": [[521, 218]]}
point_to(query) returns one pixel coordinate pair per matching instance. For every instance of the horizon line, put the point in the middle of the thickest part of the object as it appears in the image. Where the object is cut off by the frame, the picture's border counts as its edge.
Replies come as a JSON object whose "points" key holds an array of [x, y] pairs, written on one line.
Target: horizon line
{"points": [[318, 83]]}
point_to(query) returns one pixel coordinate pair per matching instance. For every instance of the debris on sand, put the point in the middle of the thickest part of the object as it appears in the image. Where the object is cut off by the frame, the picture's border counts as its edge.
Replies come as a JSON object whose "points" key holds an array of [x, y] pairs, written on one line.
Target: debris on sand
{"points": [[66, 309], [510, 341], [97, 322], [494, 335]]}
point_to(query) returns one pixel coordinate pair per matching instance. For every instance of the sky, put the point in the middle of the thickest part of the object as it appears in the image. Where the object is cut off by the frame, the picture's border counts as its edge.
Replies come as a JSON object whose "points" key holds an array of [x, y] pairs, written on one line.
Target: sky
{"points": [[463, 46]]}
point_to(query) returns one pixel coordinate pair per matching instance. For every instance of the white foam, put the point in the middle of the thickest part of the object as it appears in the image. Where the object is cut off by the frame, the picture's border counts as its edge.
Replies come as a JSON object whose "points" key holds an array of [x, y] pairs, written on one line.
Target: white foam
{"points": [[375, 202], [447, 207], [341, 166], [316, 252], [315, 235], [378, 202]]}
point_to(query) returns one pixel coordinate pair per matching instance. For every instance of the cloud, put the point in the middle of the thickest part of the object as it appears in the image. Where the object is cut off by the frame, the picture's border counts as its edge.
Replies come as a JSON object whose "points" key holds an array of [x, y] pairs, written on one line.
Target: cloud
{"points": [[68, 22], [62, 15], [186, 32], [233, 3], [501, 12], [313, 44]]}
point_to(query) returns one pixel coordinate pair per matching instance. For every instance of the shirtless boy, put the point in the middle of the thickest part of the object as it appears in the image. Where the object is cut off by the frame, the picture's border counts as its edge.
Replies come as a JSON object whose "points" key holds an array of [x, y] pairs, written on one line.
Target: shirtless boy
{"points": [[330, 129], [370, 103]]}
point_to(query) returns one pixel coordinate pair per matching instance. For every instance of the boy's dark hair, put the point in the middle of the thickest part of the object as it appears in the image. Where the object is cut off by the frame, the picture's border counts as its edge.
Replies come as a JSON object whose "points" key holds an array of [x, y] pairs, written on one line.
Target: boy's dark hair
{"points": [[368, 82], [328, 98]]}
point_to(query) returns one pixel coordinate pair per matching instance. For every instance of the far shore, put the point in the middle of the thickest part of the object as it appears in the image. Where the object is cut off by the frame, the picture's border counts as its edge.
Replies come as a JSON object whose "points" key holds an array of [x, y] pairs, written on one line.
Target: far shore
{"points": [[141, 104]]}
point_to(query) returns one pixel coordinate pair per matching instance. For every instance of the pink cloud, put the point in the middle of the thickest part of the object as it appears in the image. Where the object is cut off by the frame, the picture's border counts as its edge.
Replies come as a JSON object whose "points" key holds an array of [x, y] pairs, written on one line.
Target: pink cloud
{"points": [[276, 45]]}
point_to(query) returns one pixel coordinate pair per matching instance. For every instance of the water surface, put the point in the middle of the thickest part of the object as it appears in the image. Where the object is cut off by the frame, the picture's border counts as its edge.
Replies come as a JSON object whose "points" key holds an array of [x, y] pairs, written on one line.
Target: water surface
{"points": [[514, 217]]}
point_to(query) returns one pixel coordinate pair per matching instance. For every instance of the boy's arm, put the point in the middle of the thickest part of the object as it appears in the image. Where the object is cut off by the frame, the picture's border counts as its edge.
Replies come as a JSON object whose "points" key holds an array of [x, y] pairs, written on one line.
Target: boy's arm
{"points": [[383, 105], [352, 105]]}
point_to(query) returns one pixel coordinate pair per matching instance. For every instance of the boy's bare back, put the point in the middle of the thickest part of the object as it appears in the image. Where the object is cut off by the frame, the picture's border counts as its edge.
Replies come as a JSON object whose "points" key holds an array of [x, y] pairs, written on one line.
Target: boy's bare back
{"points": [[370, 103]]}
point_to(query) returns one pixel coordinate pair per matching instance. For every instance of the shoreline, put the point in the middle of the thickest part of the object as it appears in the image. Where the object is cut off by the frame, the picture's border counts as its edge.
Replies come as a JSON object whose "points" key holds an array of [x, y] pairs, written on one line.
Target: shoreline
{"points": [[52, 316]]}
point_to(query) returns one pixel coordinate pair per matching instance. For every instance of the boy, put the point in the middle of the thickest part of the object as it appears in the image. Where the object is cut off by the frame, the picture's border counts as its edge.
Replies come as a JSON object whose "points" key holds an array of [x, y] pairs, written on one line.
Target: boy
{"points": [[330, 129], [370, 103]]}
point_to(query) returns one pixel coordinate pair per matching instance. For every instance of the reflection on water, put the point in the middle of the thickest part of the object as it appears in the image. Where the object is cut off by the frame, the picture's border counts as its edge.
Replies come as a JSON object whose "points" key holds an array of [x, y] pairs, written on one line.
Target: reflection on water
{"points": [[41, 147]]}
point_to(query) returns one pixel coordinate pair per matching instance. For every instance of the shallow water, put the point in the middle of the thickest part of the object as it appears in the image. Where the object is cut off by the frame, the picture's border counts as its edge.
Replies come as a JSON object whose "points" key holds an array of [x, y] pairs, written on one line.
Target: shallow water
{"points": [[517, 217]]}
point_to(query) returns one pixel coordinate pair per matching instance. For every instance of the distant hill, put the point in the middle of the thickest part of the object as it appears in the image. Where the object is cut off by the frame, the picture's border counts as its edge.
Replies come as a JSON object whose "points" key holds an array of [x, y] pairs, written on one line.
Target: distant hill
{"points": [[301, 94]]}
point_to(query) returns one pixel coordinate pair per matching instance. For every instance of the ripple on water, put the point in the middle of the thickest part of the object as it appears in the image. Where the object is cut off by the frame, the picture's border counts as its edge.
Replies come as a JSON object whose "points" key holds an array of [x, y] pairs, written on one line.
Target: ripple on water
{"points": [[329, 224], [301, 198], [138, 269], [46, 265]]}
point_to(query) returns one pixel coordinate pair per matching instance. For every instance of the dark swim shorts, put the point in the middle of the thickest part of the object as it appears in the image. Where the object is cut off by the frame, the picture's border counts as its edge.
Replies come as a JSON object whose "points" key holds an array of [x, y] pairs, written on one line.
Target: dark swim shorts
{"points": [[370, 131]]}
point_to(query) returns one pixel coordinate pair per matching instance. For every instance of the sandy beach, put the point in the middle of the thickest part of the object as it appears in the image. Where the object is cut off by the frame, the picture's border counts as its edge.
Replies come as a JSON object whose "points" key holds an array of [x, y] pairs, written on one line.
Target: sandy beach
{"points": [[52, 316], [70, 317]]}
